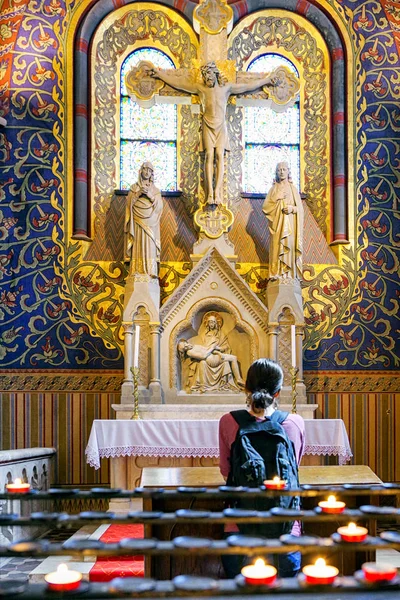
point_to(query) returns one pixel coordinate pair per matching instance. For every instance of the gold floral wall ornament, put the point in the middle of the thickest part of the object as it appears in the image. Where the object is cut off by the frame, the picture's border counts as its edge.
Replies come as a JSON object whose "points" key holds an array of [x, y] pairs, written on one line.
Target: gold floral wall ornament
{"points": [[286, 88], [213, 16], [139, 82]]}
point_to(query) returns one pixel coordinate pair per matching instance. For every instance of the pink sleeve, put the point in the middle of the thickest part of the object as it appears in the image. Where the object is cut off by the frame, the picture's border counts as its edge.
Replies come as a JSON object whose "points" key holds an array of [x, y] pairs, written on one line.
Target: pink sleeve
{"points": [[227, 434], [294, 427]]}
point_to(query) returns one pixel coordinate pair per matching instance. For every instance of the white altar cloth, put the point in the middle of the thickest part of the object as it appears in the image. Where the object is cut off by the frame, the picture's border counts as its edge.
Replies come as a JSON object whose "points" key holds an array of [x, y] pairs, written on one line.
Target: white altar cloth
{"points": [[120, 437]]}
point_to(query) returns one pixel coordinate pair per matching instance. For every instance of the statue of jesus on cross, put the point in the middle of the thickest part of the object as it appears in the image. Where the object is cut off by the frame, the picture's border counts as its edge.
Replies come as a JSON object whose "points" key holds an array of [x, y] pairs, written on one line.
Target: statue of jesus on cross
{"points": [[214, 91]]}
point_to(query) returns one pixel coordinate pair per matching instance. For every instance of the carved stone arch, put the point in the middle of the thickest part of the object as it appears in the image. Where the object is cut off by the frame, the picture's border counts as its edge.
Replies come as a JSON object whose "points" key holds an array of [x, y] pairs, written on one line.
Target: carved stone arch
{"points": [[287, 315], [212, 303]]}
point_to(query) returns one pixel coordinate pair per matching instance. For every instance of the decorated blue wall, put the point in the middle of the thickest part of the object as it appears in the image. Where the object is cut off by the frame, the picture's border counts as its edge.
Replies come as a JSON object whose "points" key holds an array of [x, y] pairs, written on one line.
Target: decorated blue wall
{"points": [[61, 312]]}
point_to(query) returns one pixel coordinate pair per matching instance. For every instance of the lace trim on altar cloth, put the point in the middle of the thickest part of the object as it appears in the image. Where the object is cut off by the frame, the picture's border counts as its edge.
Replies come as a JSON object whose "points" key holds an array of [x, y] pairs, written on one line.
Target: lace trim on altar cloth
{"points": [[343, 453], [93, 457]]}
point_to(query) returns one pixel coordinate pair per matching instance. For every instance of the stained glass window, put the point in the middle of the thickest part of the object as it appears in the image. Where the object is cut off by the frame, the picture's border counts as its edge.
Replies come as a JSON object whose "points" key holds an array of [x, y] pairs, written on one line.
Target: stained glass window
{"points": [[147, 134], [270, 137]]}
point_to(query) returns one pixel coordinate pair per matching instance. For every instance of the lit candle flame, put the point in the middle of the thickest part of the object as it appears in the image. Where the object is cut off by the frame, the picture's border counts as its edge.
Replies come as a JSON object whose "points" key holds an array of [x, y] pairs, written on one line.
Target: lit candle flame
{"points": [[352, 527], [259, 563], [320, 562], [62, 569], [331, 499], [276, 480], [17, 481]]}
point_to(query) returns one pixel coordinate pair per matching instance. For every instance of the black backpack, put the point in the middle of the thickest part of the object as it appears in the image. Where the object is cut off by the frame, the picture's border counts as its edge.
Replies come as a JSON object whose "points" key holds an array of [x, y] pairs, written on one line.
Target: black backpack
{"points": [[261, 451]]}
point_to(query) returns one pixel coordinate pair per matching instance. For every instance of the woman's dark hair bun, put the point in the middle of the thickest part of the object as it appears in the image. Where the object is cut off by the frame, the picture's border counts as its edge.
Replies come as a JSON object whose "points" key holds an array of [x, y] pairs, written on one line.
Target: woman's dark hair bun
{"points": [[261, 398], [264, 381]]}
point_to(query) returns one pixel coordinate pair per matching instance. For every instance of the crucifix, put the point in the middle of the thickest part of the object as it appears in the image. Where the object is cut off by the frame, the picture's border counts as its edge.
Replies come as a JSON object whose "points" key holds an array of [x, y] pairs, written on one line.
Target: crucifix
{"points": [[213, 80]]}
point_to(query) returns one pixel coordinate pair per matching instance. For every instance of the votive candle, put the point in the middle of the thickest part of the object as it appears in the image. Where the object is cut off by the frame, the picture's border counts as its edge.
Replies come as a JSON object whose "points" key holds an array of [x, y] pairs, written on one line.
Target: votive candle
{"points": [[275, 483], [374, 573], [332, 505], [320, 573], [353, 533], [259, 573], [18, 487], [63, 580]]}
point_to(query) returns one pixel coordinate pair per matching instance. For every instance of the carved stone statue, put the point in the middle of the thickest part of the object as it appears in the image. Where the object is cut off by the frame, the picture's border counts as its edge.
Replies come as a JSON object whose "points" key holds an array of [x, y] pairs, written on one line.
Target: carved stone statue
{"points": [[284, 210], [212, 367], [142, 224], [214, 92]]}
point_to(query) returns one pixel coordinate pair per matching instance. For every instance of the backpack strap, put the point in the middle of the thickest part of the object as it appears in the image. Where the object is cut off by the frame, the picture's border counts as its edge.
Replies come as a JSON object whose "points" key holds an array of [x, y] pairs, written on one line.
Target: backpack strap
{"points": [[279, 416], [242, 417]]}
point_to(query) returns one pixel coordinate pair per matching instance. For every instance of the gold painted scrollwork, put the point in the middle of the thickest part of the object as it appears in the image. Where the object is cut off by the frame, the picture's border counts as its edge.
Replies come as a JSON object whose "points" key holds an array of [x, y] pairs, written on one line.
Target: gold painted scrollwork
{"points": [[296, 39]]}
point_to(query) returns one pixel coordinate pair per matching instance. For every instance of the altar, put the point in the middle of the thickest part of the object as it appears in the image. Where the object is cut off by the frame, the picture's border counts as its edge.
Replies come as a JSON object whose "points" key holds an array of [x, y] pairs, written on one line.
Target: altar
{"points": [[133, 445]]}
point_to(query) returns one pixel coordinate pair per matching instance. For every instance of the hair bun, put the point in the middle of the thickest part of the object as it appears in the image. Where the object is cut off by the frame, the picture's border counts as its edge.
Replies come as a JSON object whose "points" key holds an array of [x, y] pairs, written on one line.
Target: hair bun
{"points": [[261, 398]]}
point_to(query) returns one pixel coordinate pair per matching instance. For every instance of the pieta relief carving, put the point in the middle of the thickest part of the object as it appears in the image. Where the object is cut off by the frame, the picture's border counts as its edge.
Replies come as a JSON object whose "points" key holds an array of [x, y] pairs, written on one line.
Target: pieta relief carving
{"points": [[214, 359]]}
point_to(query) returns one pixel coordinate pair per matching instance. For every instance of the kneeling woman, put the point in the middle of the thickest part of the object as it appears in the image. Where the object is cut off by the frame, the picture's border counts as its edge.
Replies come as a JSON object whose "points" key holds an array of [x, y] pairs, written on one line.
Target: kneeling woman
{"points": [[263, 384]]}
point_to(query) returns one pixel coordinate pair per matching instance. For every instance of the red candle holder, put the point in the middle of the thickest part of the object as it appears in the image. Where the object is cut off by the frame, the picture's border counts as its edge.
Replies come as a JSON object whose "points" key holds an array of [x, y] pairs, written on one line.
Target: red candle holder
{"points": [[353, 533], [275, 484], [374, 573], [332, 505], [320, 573], [259, 573], [63, 580], [18, 487]]}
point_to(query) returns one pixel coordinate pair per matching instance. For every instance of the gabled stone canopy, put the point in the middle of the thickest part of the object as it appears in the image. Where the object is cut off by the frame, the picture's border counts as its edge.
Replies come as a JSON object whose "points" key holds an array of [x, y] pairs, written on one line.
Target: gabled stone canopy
{"points": [[213, 284]]}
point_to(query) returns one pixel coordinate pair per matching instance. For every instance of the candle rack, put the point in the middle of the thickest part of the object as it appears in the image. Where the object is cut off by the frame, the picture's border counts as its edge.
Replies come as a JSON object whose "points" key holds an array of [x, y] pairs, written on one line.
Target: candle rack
{"points": [[135, 374], [293, 373], [199, 546], [305, 491], [201, 587]]}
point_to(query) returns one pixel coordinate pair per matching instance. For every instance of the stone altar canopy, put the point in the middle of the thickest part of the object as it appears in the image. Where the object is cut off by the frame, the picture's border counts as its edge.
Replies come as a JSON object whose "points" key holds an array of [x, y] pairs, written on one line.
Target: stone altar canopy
{"points": [[195, 350], [247, 327]]}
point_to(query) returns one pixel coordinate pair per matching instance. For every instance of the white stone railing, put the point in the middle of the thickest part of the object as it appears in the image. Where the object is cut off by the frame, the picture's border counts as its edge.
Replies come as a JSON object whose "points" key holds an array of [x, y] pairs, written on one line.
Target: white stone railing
{"points": [[33, 466]]}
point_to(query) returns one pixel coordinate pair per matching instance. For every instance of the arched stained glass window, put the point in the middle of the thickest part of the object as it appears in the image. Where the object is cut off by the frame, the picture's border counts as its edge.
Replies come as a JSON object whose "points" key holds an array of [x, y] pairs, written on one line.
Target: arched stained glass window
{"points": [[147, 134], [270, 137]]}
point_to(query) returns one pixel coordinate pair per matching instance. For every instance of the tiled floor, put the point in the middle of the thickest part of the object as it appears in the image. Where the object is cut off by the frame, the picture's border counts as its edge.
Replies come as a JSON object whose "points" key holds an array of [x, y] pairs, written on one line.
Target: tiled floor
{"points": [[51, 563], [35, 569], [17, 568]]}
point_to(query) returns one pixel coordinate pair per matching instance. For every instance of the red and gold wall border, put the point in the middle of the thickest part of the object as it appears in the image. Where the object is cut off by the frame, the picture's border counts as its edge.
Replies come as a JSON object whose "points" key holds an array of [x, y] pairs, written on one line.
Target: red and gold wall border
{"points": [[61, 381], [110, 382], [351, 381]]}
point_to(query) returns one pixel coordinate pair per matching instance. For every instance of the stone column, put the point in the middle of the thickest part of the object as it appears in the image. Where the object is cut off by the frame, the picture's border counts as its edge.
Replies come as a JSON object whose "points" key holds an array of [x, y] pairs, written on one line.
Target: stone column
{"points": [[273, 342], [127, 384], [155, 374]]}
